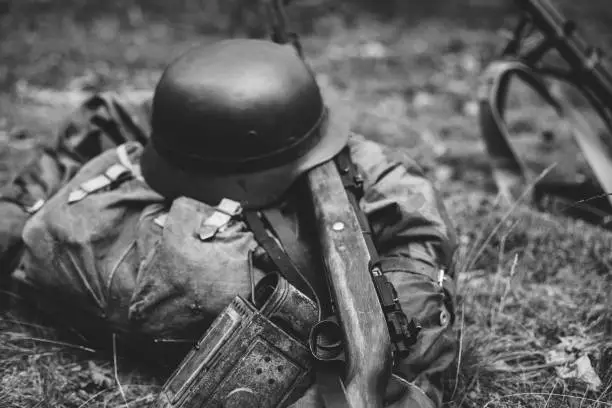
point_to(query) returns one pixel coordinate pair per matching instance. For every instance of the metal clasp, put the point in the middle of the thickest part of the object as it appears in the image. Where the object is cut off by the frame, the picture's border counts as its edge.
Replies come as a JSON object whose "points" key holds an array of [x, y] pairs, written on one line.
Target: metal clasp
{"points": [[224, 212]]}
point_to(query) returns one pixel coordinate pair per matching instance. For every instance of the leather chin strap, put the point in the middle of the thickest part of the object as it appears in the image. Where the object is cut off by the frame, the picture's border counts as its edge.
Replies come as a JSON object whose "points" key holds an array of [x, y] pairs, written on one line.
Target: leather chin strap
{"points": [[510, 173]]}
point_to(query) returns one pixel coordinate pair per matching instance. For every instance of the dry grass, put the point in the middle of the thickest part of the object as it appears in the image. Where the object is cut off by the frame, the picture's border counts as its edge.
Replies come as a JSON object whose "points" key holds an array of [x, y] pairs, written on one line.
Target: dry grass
{"points": [[536, 280]]}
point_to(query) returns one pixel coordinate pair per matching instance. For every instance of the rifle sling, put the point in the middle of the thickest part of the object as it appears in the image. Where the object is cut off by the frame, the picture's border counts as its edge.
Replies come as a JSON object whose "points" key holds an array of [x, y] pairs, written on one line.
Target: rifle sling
{"points": [[303, 260], [328, 374], [285, 265], [290, 258]]}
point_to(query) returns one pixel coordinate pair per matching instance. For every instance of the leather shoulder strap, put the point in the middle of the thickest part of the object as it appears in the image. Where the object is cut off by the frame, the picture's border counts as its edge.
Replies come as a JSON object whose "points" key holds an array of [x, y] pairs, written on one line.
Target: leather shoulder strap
{"points": [[285, 265]]}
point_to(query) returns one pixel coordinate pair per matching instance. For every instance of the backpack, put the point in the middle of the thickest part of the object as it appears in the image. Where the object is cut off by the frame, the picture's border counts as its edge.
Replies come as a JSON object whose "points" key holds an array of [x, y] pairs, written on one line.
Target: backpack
{"points": [[121, 254]]}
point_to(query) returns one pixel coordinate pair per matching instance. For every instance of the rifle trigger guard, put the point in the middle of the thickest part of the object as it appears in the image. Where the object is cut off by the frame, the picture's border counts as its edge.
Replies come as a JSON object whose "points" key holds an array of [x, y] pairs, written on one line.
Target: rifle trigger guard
{"points": [[326, 340]]}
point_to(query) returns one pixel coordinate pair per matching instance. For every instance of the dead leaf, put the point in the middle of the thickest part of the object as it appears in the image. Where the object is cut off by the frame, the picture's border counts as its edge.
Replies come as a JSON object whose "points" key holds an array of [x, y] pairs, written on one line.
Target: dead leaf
{"points": [[101, 376], [501, 365], [581, 370], [573, 351]]}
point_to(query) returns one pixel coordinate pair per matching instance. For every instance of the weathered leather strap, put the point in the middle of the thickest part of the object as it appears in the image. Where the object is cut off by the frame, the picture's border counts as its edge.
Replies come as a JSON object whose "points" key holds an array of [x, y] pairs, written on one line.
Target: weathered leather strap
{"points": [[303, 261], [328, 375], [285, 265]]}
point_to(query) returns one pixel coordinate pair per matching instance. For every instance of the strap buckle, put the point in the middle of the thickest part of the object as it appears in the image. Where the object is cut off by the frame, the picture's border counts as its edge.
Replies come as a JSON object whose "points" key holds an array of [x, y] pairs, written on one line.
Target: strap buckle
{"points": [[32, 209], [224, 213], [115, 173]]}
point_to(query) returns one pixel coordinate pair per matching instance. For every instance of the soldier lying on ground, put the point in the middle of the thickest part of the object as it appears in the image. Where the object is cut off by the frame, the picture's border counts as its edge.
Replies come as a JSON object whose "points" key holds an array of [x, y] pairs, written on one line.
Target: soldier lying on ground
{"points": [[122, 234]]}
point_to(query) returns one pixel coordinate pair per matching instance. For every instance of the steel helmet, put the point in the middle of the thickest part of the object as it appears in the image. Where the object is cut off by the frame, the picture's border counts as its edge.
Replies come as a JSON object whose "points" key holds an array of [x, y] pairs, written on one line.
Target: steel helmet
{"points": [[240, 119]]}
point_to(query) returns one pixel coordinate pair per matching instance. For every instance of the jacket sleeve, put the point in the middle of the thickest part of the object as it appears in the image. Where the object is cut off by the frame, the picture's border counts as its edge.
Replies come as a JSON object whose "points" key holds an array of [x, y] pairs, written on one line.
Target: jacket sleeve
{"points": [[415, 240], [23, 194], [101, 122]]}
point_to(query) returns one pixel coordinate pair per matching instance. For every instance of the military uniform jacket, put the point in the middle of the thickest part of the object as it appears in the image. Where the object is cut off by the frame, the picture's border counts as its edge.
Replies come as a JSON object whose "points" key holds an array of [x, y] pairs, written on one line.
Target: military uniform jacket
{"points": [[110, 252]]}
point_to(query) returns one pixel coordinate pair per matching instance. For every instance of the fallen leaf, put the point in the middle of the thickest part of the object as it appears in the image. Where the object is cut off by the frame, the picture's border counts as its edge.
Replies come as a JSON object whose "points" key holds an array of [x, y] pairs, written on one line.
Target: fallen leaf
{"points": [[100, 376], [572, 360], [582, 370], [501, 365]]}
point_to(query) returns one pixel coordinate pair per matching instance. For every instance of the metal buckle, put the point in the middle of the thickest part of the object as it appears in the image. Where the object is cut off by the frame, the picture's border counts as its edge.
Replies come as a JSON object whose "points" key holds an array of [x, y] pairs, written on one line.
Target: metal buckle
{"points": [[224, 212], [112, 174], [31, 209]]}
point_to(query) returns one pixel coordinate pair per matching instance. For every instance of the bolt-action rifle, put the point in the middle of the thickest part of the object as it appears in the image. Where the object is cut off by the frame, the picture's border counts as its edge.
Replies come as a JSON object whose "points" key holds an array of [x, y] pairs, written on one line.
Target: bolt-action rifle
{"points": [[365, 316], [542, 29]]}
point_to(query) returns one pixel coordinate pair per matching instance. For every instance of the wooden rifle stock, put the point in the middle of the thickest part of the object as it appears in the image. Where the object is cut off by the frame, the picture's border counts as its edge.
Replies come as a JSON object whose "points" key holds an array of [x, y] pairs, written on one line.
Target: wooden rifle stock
{"points": [[367, 344]]}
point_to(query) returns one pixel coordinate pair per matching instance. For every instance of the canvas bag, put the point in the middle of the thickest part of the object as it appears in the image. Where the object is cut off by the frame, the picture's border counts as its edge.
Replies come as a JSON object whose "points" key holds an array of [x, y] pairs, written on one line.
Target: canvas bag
{"points": [[110, 246]]}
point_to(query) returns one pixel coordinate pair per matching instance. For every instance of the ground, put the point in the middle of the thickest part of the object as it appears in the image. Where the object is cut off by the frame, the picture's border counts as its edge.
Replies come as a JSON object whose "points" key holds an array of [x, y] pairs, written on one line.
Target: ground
{"points": [[534, 313]]}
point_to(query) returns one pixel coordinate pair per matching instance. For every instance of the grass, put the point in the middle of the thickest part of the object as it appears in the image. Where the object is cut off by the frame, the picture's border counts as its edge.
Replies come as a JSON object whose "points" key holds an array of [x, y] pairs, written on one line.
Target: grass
{"points": [[532, 285]]}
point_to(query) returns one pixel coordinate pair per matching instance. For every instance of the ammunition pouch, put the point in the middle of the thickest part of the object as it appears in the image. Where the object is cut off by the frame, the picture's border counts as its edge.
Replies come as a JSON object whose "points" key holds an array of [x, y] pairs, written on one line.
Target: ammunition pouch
{"points": [[253, 355]]}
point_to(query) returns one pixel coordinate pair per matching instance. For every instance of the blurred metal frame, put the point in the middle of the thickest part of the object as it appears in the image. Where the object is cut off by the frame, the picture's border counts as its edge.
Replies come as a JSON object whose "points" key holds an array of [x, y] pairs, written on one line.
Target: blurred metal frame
{"points": [[542, 28]]}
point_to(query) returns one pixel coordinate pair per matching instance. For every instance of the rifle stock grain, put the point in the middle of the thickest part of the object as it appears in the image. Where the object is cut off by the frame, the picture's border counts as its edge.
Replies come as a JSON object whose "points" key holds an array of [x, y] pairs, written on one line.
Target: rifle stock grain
{"points": [[367, 342]]}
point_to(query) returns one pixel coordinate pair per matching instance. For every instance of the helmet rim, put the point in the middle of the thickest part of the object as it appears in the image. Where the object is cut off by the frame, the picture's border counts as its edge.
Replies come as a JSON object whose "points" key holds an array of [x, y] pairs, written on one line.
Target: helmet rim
{"points": [[253, 189]]}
